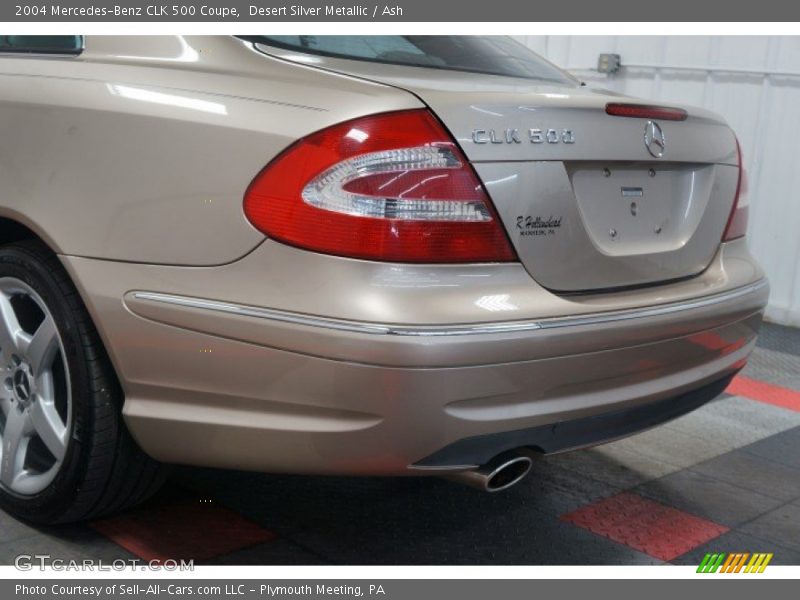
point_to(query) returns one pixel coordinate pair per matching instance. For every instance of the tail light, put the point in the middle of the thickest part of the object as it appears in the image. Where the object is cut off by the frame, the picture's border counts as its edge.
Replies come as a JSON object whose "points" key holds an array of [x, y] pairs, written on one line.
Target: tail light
{"points": [[391, 187], [737, 221], [646, 111]]}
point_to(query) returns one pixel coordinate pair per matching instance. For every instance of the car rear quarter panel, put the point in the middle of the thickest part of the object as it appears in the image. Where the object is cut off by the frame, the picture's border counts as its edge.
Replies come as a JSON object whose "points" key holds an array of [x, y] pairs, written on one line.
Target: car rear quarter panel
{"points": [[141, 148]]}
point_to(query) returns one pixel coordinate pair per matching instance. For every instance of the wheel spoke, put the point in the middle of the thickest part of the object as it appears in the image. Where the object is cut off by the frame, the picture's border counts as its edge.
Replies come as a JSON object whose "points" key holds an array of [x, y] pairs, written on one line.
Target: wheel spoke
{"points": [[45, 421], [44, 386], [10, 329], [14, 444], [39, 349]]}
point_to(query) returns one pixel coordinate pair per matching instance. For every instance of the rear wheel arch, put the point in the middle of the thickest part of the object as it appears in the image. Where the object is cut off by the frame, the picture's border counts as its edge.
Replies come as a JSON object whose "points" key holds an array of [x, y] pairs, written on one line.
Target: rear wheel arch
{"points": [[14, 231], [104, 470], [15, 227]]}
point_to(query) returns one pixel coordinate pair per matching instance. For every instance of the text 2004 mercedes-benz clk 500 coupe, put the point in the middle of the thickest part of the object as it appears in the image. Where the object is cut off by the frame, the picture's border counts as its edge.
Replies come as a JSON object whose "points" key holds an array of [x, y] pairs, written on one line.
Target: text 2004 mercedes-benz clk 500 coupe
{"points": [[390, 255]]}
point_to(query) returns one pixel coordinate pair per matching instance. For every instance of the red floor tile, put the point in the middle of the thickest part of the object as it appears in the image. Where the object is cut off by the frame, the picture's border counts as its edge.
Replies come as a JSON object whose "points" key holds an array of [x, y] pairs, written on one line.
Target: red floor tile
{"points": [[650, 527], [182, 530], [765, 392]]}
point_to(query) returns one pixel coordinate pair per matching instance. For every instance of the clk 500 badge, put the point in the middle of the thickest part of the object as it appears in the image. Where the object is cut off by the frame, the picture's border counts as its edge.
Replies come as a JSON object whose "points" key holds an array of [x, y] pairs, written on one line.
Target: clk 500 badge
{"points": [[515, 136]]}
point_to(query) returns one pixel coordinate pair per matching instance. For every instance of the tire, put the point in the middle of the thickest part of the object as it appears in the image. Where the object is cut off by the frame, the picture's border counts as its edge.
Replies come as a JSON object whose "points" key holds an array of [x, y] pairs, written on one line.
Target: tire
{"points": [[65, 453]]}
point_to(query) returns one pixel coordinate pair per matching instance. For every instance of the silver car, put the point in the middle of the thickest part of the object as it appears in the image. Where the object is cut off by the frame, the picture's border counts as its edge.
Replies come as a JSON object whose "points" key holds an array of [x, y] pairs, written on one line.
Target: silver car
{"points": [[388, 255]]}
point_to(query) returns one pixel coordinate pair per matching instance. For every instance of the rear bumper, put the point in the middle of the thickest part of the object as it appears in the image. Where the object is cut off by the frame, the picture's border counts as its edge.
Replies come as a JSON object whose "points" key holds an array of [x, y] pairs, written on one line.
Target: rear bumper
{"points": [[228, 384]]}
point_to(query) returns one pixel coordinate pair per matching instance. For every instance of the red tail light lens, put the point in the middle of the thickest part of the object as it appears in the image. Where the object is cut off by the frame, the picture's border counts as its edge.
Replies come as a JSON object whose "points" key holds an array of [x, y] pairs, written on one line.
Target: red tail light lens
{"points": [[737, 222], [391, 187], [646, 111]]}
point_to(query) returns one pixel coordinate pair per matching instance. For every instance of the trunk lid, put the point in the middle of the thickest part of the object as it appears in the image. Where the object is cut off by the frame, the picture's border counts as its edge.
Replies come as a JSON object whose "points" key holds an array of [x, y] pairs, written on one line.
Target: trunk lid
{"points": [[585, 203]]}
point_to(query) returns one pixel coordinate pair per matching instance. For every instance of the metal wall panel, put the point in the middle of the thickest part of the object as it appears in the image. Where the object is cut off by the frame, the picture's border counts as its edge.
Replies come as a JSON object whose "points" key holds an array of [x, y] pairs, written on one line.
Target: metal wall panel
{"points": [[754, 82]]}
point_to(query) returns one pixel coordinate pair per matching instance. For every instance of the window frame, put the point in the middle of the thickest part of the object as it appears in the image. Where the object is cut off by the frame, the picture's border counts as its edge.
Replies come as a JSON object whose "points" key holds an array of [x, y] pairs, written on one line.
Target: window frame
{"points": [[38, 52], [263, 41]]}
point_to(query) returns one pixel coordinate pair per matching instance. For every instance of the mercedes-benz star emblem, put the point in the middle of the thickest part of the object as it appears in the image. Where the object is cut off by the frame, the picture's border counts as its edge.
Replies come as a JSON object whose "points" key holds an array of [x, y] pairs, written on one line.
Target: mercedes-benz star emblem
{"points": [[22, 386], [654, 139]]}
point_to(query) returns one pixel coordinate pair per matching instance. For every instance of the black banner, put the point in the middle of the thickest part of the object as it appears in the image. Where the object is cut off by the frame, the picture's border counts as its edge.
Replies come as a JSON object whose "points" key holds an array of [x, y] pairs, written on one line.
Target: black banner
{"points": [[393, 589], [265, 11]]}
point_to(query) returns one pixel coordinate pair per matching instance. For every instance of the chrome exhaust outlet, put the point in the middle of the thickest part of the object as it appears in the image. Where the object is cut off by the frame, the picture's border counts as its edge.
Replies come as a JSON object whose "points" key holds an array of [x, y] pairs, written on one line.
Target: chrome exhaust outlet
{"points": [[500, 473]]}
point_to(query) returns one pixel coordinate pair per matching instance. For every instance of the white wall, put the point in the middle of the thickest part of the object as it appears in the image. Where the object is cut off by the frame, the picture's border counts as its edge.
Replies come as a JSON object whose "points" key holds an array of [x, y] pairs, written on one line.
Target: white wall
{"points": [[759, 96]]}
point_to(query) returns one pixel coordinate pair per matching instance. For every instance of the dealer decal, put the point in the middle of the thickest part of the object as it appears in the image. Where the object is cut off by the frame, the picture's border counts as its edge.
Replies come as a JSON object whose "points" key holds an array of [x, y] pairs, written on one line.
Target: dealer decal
{"points": [[529, 225]]}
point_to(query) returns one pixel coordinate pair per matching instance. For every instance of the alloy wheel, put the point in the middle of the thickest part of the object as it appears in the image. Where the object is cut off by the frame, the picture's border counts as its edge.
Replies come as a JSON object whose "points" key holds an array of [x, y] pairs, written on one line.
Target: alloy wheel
{"points": [[35, 394]]}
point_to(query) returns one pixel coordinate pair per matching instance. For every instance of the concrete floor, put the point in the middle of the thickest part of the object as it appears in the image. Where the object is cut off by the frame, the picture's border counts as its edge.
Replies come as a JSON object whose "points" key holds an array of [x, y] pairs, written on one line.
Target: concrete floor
{"points": [[725, 478]]}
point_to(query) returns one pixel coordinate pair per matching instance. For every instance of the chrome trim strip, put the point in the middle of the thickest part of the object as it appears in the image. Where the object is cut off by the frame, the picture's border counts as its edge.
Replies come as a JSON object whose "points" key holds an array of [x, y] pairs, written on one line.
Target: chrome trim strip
{"points": [[655, 311], [337, 324], [448, 330]]}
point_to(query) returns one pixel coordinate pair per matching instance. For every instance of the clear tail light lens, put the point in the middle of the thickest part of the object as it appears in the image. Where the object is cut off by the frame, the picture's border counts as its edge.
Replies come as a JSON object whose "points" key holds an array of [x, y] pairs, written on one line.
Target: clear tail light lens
{"points": [[391, 187], [737, 222]]}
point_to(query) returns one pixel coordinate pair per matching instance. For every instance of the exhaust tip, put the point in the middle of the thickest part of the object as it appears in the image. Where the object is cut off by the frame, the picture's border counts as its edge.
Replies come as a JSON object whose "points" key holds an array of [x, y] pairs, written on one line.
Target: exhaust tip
{"points": [[500, 473], [508, 473]]}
